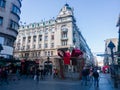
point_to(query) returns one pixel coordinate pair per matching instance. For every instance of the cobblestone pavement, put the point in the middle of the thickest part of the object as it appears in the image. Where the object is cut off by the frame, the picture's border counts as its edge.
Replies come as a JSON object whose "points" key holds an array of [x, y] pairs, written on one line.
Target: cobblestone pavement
{"points": [[51, 84]]}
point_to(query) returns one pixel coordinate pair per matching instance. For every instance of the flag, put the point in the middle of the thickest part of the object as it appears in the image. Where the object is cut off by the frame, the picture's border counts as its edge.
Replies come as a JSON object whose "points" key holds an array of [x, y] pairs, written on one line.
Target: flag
{"points": [[61, 53]]}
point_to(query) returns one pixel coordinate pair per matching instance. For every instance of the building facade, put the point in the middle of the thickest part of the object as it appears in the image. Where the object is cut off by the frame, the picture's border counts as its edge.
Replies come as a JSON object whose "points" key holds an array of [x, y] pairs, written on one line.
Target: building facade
{"points": [[107, 58], [38, 41], [9, 18]]}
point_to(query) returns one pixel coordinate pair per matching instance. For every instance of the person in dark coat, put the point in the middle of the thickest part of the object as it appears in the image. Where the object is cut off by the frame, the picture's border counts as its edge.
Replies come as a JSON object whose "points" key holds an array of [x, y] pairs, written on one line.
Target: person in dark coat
{"points": [[38, 73], [96, 78], [84, 76]]}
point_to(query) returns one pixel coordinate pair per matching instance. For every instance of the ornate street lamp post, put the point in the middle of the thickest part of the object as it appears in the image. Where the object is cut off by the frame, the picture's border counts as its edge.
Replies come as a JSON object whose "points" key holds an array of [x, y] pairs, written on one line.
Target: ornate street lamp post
{"points": [[111, 46]]}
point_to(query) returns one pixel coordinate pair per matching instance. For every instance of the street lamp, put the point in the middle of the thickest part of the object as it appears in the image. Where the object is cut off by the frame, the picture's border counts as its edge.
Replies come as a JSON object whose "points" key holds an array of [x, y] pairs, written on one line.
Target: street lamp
{"points": [[118, 25], [1, 48], [48, 60], [111, 46]]}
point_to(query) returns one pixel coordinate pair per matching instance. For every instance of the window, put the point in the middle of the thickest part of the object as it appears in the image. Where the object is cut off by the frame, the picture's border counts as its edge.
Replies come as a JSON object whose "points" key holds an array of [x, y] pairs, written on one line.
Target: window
{"points": [[40, 37], [52, 45], [39, 45], [33, 46], [64, 35], [24, 38], [9, 41], [40, 32], [52, 37], [53, 30], [18, 47], [46, 31], [45, 53], [29, 39], [39, 53], [23, 47], [28, 46], [14, 25], [2, 40], [2, 3], [63, 27], [34, 38], [32, 25], [15, 10], [51, 53], [46, 45], [1, 21], [64, 43], [46, 38], [48, 53]]}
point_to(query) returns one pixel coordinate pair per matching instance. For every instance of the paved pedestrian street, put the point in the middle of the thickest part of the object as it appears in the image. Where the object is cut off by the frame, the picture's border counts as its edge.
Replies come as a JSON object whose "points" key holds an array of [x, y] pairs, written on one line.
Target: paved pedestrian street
{"points": [[51, 84]]}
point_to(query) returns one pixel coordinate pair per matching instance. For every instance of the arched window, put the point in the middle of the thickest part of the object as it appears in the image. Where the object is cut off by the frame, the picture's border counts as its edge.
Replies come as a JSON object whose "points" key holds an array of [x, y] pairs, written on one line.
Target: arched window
{"points": [[64, 28]]}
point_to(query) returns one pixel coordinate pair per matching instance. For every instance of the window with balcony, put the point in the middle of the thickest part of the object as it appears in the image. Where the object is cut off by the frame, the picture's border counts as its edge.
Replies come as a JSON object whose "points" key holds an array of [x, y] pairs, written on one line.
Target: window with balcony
{"points": [[64, 43], [13, 25], [64, 35], [1, 21], [2, 3], [15, 10]]}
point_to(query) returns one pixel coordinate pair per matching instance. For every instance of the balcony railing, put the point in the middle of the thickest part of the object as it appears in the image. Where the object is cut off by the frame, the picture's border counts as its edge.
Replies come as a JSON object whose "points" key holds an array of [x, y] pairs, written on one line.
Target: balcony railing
{"points": [[64, 38]]}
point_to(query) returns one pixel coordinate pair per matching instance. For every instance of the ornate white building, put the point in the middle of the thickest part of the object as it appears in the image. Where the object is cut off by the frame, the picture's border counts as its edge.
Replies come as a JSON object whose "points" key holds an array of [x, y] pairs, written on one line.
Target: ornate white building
{"points": [[42, 40], [9, 18]]}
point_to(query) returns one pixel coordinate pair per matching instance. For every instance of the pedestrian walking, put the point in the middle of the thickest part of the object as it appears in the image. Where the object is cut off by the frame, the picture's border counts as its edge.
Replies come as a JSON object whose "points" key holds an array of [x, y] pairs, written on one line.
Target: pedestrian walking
{"points": [[84, 76], [55, 73], [37, 74], [96, 78]]}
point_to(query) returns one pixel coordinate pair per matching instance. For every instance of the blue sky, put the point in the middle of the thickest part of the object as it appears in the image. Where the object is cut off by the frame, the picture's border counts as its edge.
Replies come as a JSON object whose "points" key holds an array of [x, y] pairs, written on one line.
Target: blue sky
{"points": [[96, 18]]}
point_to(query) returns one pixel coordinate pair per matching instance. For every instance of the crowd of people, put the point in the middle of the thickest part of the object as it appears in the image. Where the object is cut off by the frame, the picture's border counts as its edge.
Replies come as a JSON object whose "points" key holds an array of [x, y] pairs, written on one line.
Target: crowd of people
{"points": [[16, 73], [13, 73], [90, 74]]}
